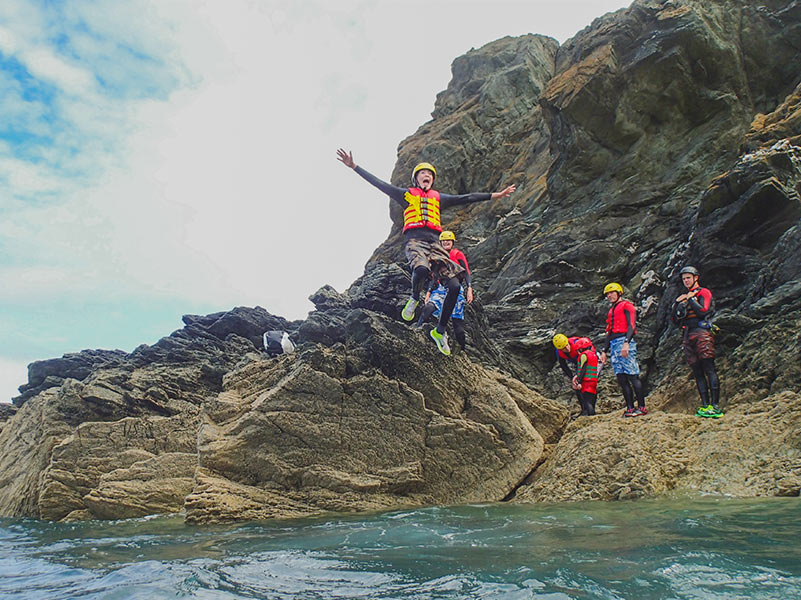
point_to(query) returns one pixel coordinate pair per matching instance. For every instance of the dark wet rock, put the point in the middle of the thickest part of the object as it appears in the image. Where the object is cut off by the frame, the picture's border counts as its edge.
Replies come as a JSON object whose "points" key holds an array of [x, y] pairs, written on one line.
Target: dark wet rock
{"points": [[44, 374]]}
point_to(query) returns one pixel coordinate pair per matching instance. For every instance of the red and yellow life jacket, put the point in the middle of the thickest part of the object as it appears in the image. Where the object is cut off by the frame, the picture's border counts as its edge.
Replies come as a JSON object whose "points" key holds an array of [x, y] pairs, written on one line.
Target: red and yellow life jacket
{"points": [[422, 209]]}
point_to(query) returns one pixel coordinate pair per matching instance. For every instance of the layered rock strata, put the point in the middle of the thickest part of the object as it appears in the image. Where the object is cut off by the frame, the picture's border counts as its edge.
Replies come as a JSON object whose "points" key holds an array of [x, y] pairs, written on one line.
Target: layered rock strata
{"points": [[663, 134]]}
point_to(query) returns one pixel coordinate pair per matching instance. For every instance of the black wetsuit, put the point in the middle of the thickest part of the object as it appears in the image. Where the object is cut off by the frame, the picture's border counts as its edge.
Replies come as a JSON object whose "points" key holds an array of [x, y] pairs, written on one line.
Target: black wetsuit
{"points": [[698, 343]]}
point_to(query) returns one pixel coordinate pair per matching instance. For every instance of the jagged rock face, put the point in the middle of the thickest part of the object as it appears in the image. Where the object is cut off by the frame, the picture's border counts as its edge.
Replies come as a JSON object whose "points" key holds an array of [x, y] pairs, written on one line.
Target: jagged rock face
{"points": [[664, 134], [108, 433], [373, 419], [628, 147]]}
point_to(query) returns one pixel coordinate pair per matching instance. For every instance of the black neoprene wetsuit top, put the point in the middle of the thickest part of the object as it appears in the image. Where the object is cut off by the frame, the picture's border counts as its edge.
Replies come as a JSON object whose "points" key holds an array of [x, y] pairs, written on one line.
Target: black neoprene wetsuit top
{"points": [[445, 201]]}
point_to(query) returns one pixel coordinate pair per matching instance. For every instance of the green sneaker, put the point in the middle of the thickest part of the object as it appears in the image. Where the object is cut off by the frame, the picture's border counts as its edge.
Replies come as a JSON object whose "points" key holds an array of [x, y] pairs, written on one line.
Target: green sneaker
{"points": [[408, 311], [710, 412], [442, 341]]}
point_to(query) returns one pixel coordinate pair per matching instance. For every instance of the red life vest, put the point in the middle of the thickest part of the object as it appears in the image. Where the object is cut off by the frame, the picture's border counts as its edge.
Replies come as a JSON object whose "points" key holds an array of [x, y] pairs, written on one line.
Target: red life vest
{"points": [[577, 346], [422, 209], [616, 319], [457, 255]]}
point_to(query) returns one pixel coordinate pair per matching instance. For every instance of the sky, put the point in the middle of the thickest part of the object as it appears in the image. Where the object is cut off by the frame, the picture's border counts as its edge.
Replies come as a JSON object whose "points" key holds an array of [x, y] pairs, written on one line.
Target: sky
{"points": [[167, 157]]}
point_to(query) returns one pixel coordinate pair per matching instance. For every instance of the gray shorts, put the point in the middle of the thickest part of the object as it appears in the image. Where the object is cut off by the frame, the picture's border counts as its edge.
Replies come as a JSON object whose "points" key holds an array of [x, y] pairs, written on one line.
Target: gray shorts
{"points": [[431, 255]]}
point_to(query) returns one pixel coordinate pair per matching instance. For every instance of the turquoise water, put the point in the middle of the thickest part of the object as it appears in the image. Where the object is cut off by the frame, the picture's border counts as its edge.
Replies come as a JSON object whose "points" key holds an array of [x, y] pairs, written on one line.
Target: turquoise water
{"points": [[693, 548]]}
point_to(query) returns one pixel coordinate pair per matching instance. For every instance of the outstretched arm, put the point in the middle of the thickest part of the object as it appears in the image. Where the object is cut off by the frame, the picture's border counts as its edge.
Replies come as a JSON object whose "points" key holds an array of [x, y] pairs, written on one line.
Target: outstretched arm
{"points": [[396, 193], [447, 200]]}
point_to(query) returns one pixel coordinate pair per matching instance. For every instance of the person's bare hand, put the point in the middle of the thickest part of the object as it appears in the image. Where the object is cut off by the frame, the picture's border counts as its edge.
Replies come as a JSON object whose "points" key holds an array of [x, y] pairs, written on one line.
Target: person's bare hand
{"points": [[346, 158], [504, 193], [469, 295]]}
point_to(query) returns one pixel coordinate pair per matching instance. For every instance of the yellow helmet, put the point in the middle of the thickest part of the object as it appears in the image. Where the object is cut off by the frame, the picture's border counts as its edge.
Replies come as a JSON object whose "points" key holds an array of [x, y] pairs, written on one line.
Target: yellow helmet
{"points": [[613, 287], [420, 167], [560, 341], [447, 235]]}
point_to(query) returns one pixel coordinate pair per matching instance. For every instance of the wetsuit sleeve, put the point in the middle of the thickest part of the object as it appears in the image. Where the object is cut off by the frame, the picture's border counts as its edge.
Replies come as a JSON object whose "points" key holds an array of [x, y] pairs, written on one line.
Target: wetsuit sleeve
{"points": [[394, 192], [447, 200], [629, 312], [704, 307], [582, 368], [433, 284], [563, 366], [674, 312]]}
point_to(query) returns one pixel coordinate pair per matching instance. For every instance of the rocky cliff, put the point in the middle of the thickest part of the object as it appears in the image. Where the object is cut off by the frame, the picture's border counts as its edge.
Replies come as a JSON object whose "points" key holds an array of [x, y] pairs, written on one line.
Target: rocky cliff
{"points": [[664, 134]]}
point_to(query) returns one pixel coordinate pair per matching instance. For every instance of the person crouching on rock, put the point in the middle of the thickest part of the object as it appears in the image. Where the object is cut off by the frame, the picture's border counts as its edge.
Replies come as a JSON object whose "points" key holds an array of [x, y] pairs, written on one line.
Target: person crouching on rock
{"points": [[580, 352], [421, 229], [693, 311], [620, 330], [435, 297]]}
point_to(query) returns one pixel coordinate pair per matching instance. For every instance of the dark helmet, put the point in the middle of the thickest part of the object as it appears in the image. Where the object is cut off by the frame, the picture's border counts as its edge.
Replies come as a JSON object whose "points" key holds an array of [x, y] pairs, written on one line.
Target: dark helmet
{"points": [[690, 270]]}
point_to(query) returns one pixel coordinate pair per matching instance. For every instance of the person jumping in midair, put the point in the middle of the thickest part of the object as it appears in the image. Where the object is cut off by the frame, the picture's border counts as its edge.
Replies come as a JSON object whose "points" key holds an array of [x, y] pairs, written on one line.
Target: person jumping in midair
{"points": [[421, 229]]}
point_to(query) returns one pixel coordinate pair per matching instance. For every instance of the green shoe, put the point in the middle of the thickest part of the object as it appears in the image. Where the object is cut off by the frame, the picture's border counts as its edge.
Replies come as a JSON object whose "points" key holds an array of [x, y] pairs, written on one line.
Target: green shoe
{"points": [[408, 311], [709, 412], [442, 341]]}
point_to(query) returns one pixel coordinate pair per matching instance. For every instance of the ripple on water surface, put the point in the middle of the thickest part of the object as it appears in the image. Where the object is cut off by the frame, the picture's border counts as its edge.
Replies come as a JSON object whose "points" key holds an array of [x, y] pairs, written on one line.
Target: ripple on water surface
{"points": [[699, 548]]}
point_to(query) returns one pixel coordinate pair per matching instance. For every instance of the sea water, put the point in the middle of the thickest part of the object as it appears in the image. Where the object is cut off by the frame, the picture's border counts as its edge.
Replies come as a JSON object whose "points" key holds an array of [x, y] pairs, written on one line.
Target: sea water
{"points": [[680, 547]]}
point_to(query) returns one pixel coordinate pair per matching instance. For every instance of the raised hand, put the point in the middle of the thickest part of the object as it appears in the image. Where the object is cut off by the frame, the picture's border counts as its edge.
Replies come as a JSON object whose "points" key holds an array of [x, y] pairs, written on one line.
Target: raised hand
{"points": [[346, 158]]}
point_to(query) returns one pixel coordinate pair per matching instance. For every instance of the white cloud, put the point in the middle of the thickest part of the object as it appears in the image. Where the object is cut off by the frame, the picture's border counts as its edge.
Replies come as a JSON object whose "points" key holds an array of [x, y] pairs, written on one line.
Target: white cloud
{"points": [[42, 63], [13, 374], [28, 178]]}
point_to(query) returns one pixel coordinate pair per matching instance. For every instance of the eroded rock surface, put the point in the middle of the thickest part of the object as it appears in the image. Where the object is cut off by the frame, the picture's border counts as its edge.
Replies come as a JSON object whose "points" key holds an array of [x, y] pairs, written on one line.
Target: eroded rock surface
{"points": [[755, 450], [663, 134], [374, 421]]}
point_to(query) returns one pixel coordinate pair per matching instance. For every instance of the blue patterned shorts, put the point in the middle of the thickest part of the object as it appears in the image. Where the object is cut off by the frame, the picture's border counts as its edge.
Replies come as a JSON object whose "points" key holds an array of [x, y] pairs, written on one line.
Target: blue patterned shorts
{"points": [[438, 297], [626, 365]]}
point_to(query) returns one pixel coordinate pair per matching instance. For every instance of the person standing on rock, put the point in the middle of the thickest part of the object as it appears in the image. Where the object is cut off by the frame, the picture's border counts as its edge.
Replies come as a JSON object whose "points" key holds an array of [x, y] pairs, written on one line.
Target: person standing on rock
{"points": [[620, 330], [435, 297], [692, 311], [421, 229], [580, 352]]}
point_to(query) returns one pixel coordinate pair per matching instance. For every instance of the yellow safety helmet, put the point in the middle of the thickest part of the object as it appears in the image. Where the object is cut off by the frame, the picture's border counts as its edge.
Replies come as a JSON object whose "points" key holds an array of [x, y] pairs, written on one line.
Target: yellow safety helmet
{"points": [[420, 167], [560, 341], [613, 287], [447, 235]]}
